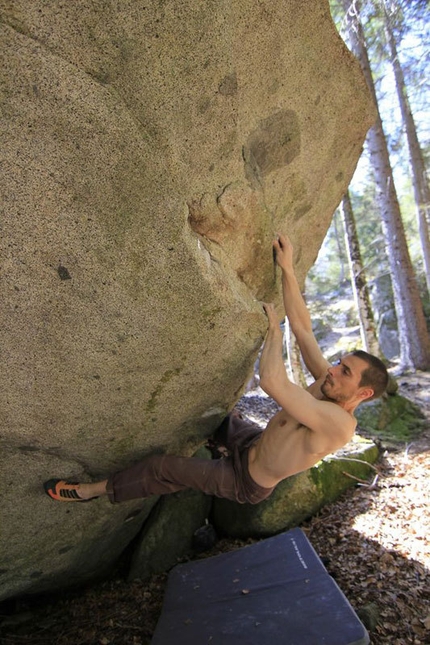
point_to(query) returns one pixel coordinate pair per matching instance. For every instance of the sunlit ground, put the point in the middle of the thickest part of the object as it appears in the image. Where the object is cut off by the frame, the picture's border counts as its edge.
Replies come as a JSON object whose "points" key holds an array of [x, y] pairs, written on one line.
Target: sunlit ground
{"points": [[405, 528]]}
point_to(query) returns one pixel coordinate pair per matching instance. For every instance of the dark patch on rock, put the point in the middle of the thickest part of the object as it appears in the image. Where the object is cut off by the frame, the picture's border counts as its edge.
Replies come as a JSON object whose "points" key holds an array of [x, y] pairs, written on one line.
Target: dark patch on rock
{"points": [[28, 449], [64, 273], [228, 86], [204, 538], [204, 105], [273, 145], [301, 211]]}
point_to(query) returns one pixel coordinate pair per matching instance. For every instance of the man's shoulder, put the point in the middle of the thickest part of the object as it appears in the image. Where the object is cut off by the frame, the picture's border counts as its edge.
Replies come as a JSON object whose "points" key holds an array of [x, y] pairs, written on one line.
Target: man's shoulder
{"points": [[337, 418], [336, 429], [344, 423]]}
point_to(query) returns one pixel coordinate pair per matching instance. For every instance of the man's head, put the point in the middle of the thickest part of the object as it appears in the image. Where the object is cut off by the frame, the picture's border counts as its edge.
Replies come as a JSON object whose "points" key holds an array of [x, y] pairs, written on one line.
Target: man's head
{"points": [[357, 377], [375, 375]]}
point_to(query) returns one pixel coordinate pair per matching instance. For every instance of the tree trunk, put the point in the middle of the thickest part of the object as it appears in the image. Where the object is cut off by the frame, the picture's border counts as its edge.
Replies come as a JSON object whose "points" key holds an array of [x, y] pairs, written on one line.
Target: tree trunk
{"points": [[414, 339], [358, 279], [339, 250], [295, 369], [419, 175]]}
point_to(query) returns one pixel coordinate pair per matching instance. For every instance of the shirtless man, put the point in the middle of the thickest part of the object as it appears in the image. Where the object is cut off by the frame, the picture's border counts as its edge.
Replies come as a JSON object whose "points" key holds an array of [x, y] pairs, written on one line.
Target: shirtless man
{"points": [[314, 422], [311, 423]]}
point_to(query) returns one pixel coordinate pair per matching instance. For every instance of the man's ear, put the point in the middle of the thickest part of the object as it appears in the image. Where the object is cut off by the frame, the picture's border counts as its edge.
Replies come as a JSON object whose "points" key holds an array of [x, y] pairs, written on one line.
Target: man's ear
{"points": [[366, 393]]}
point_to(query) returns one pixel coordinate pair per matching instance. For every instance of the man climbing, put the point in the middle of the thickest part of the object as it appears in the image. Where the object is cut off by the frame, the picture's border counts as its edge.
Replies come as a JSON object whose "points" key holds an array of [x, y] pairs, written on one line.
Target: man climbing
{"points": [[310, 424]]}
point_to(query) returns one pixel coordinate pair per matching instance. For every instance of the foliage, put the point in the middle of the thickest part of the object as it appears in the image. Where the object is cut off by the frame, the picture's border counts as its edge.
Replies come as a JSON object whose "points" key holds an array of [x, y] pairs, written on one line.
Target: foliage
{"points": [[328, 282]]}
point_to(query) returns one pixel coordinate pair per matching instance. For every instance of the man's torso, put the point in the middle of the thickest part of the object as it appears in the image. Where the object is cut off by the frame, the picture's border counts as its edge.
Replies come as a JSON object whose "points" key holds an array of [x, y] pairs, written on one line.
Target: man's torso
{"points": [[286, 447]]}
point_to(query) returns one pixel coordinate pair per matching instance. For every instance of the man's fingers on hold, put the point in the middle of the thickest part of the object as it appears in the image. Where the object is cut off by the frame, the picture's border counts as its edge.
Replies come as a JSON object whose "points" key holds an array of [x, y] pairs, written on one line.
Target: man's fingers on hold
{"points": [[268, 307]]}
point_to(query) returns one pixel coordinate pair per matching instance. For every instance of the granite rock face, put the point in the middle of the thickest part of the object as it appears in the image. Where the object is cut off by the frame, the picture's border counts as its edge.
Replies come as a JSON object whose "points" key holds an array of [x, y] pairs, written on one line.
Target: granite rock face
{"points": [[149, 153]]}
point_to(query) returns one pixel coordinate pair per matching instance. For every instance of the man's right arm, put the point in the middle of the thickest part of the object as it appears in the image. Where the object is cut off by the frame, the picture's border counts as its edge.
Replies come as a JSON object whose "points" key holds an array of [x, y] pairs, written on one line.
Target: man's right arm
{"points": [[296, 310]]}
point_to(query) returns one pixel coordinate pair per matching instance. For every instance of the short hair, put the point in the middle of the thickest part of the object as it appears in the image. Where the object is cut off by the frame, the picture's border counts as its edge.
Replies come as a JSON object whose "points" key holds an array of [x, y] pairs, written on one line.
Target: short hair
{"points": [[375, 375]]}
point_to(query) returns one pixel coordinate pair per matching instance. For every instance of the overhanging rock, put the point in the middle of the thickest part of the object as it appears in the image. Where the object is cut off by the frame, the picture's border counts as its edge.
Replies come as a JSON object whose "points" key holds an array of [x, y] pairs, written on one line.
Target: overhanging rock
{"points": [[150, 151]]}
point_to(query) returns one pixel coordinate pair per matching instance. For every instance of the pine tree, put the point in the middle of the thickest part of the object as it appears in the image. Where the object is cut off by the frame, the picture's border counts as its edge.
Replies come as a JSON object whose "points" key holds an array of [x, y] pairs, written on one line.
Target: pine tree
{"points": [[294, 361], [358, 279], [419, 174], [414, 339]]}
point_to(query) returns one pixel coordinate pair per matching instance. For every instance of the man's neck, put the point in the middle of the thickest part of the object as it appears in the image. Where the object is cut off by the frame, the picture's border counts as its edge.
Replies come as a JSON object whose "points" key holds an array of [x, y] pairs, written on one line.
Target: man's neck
{"points": [[348, 406]]}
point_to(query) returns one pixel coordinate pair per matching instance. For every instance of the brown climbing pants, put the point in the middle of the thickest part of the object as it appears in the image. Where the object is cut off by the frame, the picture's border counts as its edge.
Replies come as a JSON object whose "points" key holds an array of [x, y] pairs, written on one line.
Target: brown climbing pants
{"points": [[226, 477]]}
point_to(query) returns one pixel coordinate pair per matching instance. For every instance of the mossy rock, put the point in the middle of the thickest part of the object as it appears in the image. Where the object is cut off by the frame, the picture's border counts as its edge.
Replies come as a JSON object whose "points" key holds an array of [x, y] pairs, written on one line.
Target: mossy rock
{"points": [[391, 418], [298, 497], [168, 534]]}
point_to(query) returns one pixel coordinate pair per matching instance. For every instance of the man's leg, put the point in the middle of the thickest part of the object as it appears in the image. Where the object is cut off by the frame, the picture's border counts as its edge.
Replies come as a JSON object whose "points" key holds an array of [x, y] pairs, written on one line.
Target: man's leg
{"points": [[154, 475], [163, 474]]}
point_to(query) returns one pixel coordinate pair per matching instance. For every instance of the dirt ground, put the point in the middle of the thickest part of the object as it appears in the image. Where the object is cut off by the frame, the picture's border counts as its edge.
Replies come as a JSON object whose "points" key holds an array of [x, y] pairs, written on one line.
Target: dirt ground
{"points": [[374, 541]]}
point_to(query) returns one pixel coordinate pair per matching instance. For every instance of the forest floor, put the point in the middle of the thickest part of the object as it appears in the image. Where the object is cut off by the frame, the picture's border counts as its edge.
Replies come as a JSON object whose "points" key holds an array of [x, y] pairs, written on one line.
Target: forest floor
{"points": [[375, 542]]}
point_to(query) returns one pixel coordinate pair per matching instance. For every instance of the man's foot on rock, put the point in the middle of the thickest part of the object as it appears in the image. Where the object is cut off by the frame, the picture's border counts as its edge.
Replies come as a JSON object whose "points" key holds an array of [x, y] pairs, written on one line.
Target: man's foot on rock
{"points": [[64, 491]]}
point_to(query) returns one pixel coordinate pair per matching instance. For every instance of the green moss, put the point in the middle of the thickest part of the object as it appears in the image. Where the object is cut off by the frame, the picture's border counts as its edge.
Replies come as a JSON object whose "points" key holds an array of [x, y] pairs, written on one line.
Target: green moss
{"points": [[328, 475], [392, 418], [211, 312]]}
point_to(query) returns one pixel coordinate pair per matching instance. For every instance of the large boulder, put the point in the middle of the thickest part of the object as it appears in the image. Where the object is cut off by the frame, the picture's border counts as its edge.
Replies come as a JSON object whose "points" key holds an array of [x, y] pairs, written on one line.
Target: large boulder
{"points": [[149, 153]]}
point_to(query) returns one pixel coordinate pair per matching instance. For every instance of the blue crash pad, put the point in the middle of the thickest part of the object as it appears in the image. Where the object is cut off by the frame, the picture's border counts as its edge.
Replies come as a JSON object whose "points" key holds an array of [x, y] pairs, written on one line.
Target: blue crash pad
{"points": [[273, 592]]}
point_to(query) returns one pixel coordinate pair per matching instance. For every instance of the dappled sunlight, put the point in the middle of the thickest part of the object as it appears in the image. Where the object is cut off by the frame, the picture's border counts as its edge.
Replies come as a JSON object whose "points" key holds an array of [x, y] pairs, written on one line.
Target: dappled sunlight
{"points": [[375, 541], [399, 517]]}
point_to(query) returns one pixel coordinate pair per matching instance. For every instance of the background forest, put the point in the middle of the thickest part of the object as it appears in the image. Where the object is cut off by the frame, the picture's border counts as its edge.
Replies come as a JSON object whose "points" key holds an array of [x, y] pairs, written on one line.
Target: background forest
{"points": [[373, 270]]}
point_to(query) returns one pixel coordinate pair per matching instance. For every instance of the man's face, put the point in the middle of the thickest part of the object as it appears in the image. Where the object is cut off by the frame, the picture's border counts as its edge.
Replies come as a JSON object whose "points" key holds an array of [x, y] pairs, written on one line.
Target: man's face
{"points": [[343, 378]]}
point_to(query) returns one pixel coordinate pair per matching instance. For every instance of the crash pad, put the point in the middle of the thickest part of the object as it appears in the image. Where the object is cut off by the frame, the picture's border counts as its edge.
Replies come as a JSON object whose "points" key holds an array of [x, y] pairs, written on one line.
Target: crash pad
{"points": [[275, 591]]}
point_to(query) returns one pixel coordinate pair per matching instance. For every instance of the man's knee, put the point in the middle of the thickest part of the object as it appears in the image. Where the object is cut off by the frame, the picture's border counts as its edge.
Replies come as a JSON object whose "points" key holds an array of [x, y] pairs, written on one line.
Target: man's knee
{"points": [[151, 464]]}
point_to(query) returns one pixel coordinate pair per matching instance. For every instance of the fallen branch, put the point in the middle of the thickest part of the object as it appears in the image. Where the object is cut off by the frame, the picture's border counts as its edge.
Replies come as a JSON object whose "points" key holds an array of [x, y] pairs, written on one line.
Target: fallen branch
{"points": [[362, 482], [358, 461], [357, 479]]}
